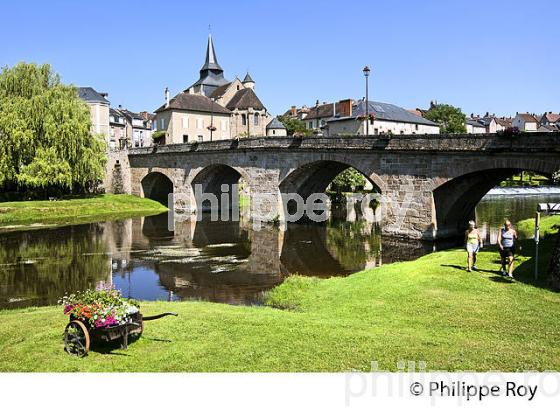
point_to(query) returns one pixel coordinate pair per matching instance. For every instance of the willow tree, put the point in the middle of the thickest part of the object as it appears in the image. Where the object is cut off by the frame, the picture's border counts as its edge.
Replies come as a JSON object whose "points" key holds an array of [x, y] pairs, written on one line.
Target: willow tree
{"points": [[45, 139]]}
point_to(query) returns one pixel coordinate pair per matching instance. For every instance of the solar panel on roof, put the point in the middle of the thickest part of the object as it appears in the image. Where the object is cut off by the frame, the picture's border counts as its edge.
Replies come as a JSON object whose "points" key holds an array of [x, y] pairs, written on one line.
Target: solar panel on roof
{"points": [[378, 108]]}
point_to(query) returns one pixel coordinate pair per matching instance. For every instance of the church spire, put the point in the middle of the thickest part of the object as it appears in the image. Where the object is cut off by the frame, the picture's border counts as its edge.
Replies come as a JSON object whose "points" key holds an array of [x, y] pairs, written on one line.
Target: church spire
{"points": [[211, 74], [211, 62]]}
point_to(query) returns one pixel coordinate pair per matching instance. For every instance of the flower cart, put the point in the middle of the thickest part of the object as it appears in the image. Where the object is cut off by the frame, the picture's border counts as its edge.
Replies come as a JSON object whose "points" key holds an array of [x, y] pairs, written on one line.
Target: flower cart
{"points": [[101, 316]]}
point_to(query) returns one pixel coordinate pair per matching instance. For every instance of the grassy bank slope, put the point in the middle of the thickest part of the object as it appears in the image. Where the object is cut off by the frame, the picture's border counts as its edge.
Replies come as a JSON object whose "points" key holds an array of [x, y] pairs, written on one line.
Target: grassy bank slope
{"points": [[26, 214], [428, 310]]}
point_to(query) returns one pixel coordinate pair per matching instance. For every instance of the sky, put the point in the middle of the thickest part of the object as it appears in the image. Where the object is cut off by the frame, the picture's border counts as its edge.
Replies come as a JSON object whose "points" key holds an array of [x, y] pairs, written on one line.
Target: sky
{"points": [[500, 57]]}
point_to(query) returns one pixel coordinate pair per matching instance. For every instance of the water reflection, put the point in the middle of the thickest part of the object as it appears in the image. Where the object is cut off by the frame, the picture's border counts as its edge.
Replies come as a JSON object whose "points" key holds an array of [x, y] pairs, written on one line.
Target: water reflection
{"points": [[225, 262]]}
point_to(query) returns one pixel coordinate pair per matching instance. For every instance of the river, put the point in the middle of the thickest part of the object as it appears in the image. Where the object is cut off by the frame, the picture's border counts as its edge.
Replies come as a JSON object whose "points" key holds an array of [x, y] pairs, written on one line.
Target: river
{"points": [[226, 262]]}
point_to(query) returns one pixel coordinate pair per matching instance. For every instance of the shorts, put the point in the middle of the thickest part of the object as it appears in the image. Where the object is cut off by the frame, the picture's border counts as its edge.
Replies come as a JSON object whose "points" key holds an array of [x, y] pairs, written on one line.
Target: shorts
{"points": [[473, 247], [507, 252]]}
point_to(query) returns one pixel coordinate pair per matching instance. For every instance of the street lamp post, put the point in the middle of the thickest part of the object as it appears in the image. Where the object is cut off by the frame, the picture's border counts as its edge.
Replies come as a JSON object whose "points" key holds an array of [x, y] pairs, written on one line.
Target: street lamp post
{"points": [[366, 71]]}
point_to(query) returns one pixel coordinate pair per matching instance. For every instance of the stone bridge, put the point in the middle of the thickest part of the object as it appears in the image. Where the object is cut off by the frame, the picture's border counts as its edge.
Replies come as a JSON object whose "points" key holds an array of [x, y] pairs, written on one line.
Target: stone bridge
{"points": [[429, 184]]}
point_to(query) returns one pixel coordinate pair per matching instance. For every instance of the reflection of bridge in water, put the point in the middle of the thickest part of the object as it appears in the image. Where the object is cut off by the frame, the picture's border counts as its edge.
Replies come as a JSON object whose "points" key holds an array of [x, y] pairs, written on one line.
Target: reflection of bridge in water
{"points": [[229, 262]]}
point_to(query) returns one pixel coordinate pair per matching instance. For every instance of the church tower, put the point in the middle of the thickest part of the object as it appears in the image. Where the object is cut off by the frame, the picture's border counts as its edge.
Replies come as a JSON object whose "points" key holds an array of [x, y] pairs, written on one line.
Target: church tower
{"points": [[248, 82], [211, 73]]}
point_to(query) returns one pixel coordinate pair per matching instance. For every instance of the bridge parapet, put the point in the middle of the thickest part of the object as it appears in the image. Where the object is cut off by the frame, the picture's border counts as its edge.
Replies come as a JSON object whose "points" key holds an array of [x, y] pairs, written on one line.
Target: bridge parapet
{"points": [[533, 142]]}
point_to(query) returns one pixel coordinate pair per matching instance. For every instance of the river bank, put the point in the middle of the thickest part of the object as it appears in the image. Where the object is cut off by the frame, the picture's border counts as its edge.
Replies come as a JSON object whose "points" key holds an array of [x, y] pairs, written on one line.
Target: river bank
{"points": [[23, 215], [428, 310], [524, 190]]}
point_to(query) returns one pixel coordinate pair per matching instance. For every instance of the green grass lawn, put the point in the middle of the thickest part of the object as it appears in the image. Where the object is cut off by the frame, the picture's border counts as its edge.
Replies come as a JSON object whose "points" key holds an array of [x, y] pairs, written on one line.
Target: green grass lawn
{"points": [[428, 310], [28, 214]]}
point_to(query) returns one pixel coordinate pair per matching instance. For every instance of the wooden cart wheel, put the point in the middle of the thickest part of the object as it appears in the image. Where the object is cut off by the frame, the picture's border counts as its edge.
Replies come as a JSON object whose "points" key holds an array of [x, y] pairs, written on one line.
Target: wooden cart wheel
{"points": [[76, 338]]}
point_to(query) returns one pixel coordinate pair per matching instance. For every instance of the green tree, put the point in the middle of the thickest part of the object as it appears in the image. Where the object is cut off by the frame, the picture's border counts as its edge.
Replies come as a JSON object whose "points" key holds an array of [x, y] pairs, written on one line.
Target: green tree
{"points": [[45, 137], [294, 126], [450, 118], [348, 180]]}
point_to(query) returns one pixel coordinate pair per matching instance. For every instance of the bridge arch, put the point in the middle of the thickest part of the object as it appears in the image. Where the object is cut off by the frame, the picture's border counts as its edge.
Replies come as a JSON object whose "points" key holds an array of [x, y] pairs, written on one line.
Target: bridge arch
{"points": [[315, 177], [157, 186], [456, 198], [209, 180]]}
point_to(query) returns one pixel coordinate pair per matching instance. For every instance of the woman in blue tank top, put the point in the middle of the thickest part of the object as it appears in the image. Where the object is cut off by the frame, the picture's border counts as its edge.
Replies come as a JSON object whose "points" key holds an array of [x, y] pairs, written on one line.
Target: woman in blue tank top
{"points": [[506, 241]]}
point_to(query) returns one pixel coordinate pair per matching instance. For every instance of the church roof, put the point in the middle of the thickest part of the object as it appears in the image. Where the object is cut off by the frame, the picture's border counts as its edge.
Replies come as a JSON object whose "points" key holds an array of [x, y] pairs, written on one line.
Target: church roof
{"points": [[211, 62], [193, 102], [211, 74], [248, 78], [275, 124], [221, 90], [244, 99]]}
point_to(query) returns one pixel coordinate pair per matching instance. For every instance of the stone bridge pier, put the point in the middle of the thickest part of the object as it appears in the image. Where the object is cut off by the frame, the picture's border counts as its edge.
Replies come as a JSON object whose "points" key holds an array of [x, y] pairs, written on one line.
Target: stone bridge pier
{"points": [[428, 186]]}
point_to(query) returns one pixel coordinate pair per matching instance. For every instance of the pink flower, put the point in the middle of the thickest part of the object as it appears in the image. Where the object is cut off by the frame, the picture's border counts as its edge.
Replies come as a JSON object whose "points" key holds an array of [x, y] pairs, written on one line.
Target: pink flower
{"points": [[68, 308]]}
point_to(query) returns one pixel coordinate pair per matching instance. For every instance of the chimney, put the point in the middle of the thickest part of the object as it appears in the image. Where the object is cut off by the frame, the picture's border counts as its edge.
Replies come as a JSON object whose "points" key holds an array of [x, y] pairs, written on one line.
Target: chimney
{"points": [[344, 108], [293, 110], [104, 95], [166, 97], [144, 114]]}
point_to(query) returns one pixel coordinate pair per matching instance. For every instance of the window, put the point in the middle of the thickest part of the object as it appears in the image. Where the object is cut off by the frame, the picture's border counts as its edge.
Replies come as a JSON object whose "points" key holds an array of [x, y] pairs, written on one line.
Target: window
{"points": [[256, 118], [237, 87], [375, 131], [402, 132], [416, 127], [162, 124], [310, 125], [185, 121], [243, 119], [273, 132], [200, 138], [185, 138], [199, 123]]}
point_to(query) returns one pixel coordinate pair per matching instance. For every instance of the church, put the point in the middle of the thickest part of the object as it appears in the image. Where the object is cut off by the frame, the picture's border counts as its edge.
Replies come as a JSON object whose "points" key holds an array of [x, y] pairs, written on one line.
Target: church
{"points": [[213, 108]]}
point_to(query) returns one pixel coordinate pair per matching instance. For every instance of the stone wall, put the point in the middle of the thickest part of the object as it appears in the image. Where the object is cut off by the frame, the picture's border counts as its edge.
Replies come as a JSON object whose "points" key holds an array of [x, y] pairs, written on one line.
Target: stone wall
{"points": [[117, 173]]}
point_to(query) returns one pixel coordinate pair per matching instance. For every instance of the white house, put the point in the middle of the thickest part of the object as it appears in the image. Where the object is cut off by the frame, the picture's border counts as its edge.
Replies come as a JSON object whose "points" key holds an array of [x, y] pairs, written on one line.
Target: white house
{"points": [[474, 127], [276, 129], [525, 122], [384, 119]]}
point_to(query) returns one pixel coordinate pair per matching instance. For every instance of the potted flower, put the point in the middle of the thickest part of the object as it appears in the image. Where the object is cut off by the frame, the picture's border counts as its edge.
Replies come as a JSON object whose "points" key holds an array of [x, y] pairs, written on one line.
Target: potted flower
{"points": [[364, 117]]}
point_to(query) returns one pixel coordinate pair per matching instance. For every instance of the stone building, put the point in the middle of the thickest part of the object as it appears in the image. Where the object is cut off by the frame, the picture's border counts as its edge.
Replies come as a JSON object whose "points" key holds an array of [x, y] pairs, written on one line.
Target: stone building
{"points": [[276, 129], [129, 129], [212, 108], [138, 128], [99, 110], [117, 130]]}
